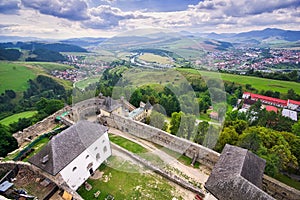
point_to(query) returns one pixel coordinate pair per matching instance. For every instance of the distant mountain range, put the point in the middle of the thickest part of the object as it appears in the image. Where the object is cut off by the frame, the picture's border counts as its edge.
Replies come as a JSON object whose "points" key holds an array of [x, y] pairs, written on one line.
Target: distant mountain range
{"points": [[259, 35], [266, 36]]}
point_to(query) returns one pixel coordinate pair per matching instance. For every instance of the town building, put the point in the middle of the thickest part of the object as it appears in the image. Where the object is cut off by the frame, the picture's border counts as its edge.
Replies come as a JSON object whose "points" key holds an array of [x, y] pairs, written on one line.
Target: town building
{"points": [[290, 108], [75, 153]]}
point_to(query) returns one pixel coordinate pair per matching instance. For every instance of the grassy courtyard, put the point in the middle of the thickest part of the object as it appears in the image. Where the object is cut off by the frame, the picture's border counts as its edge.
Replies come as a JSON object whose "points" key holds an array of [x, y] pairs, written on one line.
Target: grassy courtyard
{"points": [[127, 185]]}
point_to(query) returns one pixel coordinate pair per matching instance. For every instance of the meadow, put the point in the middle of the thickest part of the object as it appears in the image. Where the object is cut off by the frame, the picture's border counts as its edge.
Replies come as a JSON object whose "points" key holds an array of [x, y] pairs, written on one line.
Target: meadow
{"points": [[14, 76], [86, 82], [255, 82], [152, 58], [14, 118]]}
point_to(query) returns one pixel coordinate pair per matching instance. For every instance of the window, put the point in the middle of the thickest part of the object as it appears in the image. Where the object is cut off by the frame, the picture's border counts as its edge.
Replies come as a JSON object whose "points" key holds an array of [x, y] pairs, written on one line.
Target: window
{"points": [[97, 156], [74, 168], [87, 156], [105, 149], [96, 148]]}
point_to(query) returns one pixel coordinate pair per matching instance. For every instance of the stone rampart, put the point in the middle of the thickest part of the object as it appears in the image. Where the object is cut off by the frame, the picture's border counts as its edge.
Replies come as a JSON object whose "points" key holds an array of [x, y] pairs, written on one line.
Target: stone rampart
{"points": [[204, 155], [39, 128]]}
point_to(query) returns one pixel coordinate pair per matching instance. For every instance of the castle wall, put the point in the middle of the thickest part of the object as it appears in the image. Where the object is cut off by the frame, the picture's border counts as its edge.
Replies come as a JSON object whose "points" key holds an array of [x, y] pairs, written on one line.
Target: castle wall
{"points": [[39, 128], [205, 155]]}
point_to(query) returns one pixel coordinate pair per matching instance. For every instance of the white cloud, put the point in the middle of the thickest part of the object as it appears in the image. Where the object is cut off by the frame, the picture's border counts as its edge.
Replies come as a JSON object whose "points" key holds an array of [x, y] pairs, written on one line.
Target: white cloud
{"points": [[70, 9]]}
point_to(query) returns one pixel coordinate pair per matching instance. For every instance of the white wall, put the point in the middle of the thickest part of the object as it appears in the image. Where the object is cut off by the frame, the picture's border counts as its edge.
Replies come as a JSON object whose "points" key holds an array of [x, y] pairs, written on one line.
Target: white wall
{"points": [[76, 178]]}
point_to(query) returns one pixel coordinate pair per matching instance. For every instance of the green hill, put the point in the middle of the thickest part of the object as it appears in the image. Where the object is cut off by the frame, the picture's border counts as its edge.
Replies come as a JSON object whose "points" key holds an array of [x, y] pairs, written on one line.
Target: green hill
{"points": [[15, 75], [255, 82]]}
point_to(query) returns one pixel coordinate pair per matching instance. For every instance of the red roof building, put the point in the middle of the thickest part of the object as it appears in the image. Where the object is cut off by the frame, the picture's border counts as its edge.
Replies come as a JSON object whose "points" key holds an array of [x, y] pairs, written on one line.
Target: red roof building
{"points": [[266, 100], [271, 108]]}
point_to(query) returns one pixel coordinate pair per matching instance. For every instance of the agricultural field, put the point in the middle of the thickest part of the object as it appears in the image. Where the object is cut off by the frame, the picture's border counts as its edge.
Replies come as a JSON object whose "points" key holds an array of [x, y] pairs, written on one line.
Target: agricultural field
{"points": [[152, 58], [139, 77], [255, 82], [14, 118], [14, 76], [122, 183], [48, 66]]}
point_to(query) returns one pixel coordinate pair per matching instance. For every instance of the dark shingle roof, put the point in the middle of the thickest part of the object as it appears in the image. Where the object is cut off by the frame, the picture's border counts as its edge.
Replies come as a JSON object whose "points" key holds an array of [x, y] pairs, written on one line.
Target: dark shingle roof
{"points": [[66, 146], [237, 175]]}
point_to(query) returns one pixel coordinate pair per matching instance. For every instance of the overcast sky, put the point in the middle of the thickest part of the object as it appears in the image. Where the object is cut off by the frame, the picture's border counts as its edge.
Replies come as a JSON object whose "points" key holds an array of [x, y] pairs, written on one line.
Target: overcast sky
{"points": [[106, 18]]}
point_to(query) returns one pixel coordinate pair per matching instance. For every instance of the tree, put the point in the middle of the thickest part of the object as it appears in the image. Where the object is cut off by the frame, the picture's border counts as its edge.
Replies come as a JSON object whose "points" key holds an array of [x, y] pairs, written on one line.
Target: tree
{"points": [[227, 136], [20, 124], [201, 132], [156, 119], [187, 125], [296, 128], [175, 122], [250, 140], [291, 94], [7, 142]]}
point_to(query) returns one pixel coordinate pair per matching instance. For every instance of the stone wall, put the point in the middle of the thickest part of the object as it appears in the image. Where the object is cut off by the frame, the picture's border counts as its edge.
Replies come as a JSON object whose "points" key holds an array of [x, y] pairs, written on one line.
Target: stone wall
{"points": [[39, 128], [204, 155], [279, 190]]}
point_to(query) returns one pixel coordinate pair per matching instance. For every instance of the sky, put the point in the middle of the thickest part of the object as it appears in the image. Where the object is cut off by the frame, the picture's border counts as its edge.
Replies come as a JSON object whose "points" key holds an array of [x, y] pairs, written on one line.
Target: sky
{"points": [[60, 19]]}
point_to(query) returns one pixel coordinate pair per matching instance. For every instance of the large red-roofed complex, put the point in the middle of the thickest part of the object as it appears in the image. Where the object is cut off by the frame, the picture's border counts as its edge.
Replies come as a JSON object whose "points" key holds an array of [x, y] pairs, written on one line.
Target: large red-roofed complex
{"points": [[291, 104], [290, 107]]}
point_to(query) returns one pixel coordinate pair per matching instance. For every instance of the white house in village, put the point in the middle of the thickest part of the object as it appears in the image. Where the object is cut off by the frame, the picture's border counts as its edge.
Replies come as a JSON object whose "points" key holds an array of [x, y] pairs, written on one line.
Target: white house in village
{"points": [[75, 153]]}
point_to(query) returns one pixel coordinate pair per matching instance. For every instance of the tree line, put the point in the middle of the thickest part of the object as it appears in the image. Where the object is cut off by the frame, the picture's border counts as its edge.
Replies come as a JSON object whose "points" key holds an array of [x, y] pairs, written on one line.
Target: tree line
{"points": [[43, 94]]}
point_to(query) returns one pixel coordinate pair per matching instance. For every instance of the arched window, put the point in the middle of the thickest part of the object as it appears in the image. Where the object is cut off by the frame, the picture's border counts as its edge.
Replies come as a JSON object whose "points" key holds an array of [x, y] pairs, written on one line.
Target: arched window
{"points": [[97, 156], [105, 149], [87, 156], [74, 168]]}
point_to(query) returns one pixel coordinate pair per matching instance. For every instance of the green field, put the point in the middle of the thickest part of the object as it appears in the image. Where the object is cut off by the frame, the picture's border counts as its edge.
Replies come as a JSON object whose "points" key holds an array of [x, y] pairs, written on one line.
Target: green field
{"points": [[150, 57], [86, 82], [127, 144], [122, 183], [257, 83], [139, 77], [48, 66], [14, 76], [14, 118]]}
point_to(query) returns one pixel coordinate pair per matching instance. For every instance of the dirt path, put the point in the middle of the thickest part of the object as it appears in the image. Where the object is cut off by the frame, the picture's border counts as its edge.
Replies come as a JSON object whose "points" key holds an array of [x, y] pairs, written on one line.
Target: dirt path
{"points": [[200, 175]]}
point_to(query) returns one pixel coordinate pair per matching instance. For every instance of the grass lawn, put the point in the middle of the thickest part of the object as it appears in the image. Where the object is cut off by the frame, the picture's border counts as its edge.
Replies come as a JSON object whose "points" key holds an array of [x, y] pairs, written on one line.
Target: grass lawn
{"points": [[136, 148], [127, 144], [86, 82], [14, 118], [127, 185], [150, 57], [288, 181], [257, 83], [14, 76]]}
